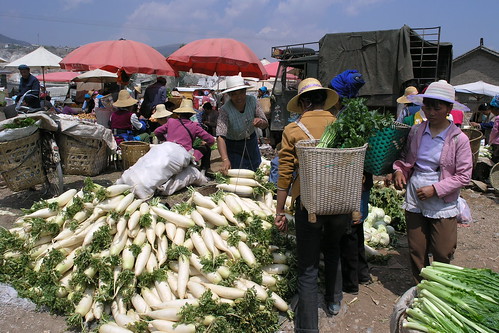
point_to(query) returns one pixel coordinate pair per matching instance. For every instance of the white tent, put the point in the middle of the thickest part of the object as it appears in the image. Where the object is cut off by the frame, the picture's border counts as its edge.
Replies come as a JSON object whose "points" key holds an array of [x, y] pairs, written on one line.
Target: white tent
{"points": [[39, 58], [478, 88], [97, 75]]}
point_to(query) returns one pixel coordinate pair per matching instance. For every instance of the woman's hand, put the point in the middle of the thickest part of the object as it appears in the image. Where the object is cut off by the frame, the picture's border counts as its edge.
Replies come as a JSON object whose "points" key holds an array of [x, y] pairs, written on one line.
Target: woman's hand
{"points": [[259, 122], [281, 222], [225, 166], [399, 180], [425, 192]]}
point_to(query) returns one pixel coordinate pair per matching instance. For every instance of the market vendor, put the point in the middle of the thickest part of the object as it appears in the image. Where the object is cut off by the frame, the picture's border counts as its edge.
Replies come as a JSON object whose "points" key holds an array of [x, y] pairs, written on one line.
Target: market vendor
{"points": [[236, 123], [124, 123], [67, 109]]}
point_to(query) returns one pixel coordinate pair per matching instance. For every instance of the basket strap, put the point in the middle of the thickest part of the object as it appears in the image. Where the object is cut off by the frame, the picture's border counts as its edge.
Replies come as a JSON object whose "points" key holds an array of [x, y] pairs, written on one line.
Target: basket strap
{"points": [[304, 129]]}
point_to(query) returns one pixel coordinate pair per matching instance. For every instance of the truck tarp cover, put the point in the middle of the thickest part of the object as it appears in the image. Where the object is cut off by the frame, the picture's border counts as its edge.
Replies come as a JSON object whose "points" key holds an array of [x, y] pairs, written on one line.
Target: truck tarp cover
{"points": [[382, 57]]}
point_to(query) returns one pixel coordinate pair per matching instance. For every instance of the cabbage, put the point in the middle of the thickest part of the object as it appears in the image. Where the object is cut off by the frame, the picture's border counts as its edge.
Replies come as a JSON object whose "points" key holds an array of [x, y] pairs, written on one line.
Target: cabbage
{"points": [[379, 223], [381, 228], [390, 230], [378, 213], [387, 219], [384, 239]]}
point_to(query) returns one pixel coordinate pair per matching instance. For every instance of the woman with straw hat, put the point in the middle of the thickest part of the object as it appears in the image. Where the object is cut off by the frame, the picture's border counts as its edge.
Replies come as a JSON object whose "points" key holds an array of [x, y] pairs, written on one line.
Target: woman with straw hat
{"points": [[124, 123], [435, 164], [237, 120], [183, 131], [325, 234]]}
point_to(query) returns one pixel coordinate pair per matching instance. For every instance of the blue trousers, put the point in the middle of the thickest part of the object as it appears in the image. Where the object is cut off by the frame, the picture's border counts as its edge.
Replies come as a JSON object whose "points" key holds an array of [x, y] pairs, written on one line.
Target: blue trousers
{"points": [[244, 154], [312, 238]]}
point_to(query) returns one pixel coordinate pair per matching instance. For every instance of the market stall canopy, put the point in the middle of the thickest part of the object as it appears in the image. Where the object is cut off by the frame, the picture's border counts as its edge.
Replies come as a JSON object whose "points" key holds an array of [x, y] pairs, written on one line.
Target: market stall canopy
{"points": [[113, 55], [39, 58], [223, 56], [97, 75], [272, 68], [59, 76], [478, 88]]}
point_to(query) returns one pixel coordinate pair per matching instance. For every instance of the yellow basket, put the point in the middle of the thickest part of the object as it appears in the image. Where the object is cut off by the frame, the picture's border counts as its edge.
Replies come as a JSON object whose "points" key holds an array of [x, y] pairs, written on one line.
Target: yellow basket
{"points": [[131, 151], [21, 164]]}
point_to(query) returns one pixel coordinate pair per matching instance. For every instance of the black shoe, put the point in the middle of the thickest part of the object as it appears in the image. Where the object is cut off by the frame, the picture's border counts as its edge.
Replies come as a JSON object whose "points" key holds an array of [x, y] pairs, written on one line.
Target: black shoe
{"points": [[333, 308], [351, 291], [366, 282]]}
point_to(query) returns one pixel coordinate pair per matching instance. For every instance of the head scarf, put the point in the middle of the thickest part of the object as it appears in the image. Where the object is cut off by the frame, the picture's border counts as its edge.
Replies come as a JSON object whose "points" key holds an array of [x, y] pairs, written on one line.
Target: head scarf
{"points": [[348, 83], [495, 101]]}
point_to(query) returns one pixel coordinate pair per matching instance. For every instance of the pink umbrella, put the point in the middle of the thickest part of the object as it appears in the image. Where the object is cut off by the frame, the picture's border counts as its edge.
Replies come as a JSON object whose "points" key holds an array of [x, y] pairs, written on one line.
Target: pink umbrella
{"points": [[272, 70], [223, 56], [59, 76], [112, 55]]}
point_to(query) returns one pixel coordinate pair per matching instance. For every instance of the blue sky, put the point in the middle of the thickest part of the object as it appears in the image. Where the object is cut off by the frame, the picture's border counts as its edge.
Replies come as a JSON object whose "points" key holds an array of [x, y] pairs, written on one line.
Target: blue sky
{"points": [[258, 23]]}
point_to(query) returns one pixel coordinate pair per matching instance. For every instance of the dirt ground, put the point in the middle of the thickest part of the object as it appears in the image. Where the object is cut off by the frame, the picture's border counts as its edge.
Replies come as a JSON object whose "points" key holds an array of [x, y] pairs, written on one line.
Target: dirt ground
{"points": [[369, 311]]}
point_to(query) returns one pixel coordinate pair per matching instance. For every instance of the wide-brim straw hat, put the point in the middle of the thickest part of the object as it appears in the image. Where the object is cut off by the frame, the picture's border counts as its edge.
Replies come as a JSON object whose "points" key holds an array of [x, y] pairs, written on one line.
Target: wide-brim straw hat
{"points": [[185, 107], [440, 90], [311, 84], [408, 91], [124, 99], [161, 112], [138, 88], [235, 83]]}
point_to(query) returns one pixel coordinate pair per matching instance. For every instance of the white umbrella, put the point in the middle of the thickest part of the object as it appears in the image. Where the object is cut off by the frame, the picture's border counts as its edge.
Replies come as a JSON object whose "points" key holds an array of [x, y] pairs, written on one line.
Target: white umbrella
{"points": [[478, 88], [39, 58], [97, 75]]}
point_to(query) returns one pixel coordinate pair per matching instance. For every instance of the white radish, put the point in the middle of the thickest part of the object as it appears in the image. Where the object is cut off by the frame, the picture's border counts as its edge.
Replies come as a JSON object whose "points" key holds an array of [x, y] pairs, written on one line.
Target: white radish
{"points": [[225, 292], [179, 238], [213, 277], [246, 254], [188, 244], [279, 258], [183, 275], [276, 268], [177, 303], [198, 218], [152, 263], [244, 285], [85, 303], [134, 219], [121, 225], [233, 204], [133, 206], [164, 314], [142, 258], [118, 189], [212, 217], [66, 264], [209, 241], [110, 328], [151, 299], [197, 289], [118, 243], [140, 238], [220, 243], [90, 234], [123, 320], [177, 219], [242, 190], [164, 292], [127, 256], [42, 213], [172, 280], [168, 326], [139, 304], [200, 245], [160, 229], [98, 309], [229, 215], [242, 173], [243, 181], [217, 210], [279, 303], [162, 243], [64, 198], [201, 200], [170, 229], [110, 204]]}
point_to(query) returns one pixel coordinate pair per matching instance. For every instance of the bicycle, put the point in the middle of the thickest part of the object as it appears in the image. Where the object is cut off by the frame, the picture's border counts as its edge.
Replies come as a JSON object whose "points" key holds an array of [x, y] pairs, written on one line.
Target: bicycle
{"points": [[51, 159]]}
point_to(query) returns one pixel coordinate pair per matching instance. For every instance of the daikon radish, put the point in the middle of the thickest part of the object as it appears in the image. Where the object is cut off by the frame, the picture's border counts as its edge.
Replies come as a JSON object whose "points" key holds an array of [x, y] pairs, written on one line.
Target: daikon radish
{"points": [[114, 190], [276, 268], [162, 243], [198, 218], [220, 243], [90, 234], [151, 300], [121, 225], [110, 328], [123, 320], [144, 208], [213, 277], [64, 198], [118, 243], [177, 219], [242, 190], [229, 215], [177, 303], [212, 217], [179, 238], [217, 210], [183, 275], [200, 245], [279, 303], [42, 213], [170, 229], [85, 303], [164, 314], [225, 292], [172, 279], [244, 284], [242, 173], [133, 206], [164, 292], [279, 258], [66, 264], [168, 326], [140, 238], [110, 204], [134, 219], [246, 254], [140, 304], [243, 181], [207, 236], [152, 263], [160, 229], [233, 204], [142, 258], [127, 256], [201, 200], [188, 244], [197, 289]]}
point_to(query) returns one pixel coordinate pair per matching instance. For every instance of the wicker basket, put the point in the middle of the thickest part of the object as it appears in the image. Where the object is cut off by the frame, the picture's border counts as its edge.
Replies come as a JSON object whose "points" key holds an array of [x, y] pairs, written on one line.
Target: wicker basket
{"points": [[330, 178], [385, 147], [21, 163], [82, 156], [131, 151], [494, 177], [475, 137], [176, 100]]}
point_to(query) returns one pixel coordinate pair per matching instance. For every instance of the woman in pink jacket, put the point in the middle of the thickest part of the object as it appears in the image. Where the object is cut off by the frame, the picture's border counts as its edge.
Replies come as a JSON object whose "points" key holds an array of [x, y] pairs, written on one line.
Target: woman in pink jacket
{"points": [[435, 164]]}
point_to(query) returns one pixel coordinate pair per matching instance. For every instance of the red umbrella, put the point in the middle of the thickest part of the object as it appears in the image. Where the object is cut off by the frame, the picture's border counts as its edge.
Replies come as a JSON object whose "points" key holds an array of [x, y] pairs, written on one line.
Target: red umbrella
{"points": [[59, 76], [112, 55], [272, 70], [223, 56]]}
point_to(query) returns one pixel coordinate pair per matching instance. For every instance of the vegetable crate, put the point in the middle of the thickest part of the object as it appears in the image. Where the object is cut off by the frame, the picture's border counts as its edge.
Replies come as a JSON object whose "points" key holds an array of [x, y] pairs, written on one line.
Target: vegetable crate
{"points": [[82, 156], [131, 151], [385, 147], [21, 163], [330, 178]]}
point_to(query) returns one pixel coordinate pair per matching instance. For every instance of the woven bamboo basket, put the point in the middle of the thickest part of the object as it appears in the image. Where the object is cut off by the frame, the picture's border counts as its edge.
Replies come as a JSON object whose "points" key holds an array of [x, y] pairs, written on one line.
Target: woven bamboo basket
{"points": [[385, 147], [330, 178], [21, 164], [82, 156], [494, 177], [475, 137], [131, 151], [176, 100]]}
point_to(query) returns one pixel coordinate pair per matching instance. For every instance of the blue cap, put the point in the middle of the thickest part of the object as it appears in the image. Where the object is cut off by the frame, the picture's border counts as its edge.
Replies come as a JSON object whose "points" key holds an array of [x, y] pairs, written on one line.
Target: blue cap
{"points": [[23, 66], [263, 89], [87, 96], [495, 101]]}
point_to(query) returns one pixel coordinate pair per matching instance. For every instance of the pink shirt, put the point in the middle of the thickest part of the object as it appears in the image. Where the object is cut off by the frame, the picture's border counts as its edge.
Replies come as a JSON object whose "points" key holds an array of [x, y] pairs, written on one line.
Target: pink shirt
{"points": [[494, 134], [178, 134]]}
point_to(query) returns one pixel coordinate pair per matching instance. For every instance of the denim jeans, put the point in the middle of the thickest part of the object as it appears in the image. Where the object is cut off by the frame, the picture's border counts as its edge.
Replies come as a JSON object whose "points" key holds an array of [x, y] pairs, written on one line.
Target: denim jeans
{"points": [[312, 238]]}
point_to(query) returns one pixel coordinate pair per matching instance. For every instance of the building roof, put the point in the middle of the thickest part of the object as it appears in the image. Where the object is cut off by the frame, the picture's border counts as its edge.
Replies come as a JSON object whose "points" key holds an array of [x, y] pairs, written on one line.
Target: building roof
{"points": [[477, 49]]}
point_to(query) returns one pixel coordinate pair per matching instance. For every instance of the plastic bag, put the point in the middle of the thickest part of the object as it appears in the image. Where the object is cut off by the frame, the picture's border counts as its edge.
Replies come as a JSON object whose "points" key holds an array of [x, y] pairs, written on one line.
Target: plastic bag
{"points": [[188, 176], [158, 165], [464, 215]]}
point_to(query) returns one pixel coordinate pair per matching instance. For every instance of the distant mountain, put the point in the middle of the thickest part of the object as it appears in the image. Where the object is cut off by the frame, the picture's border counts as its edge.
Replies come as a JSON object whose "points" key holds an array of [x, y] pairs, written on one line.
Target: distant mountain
{"points": [[166, 50], [7, 40]]}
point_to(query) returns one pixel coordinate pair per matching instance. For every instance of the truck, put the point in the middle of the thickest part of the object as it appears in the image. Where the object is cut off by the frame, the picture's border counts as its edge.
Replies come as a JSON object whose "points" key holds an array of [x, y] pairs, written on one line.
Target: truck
{"points": [[389, 61]]}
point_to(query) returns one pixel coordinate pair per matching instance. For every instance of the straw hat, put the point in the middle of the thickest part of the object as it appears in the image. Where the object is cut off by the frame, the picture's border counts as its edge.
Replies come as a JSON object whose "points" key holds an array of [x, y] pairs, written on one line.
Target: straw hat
{"points": [[440, 90], [161, 112], [408, 91], [138, 88], [185, 107], [311, 84], [124, 99], [235, 83]]}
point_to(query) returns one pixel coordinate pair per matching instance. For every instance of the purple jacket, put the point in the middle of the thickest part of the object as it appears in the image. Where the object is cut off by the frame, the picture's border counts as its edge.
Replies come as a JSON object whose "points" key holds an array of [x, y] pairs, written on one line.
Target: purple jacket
{"points": [[456, 162], [177, 133]]}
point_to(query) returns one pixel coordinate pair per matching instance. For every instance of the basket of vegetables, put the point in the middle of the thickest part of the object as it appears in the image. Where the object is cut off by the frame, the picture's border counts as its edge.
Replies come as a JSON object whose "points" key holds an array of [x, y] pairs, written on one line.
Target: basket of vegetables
{"points": [[385, 147], [21, 157], [334, 164], [82, 155]]}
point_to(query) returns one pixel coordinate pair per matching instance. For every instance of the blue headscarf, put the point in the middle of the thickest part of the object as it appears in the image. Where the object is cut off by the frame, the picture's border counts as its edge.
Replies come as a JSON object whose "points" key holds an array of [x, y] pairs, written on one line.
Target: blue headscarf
{"points": [[495, 101], [348, 83]]}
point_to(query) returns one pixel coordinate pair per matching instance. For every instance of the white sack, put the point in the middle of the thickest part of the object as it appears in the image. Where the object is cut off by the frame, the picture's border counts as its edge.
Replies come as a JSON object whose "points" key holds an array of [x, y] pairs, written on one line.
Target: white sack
{"points": [[188, 176], [158, 165]]}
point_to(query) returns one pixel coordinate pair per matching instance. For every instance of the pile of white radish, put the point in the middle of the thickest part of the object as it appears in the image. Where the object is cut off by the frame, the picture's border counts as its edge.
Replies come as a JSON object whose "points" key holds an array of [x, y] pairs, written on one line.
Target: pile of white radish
{"points": [[377, 228], [242, 182], [151, 260]]}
